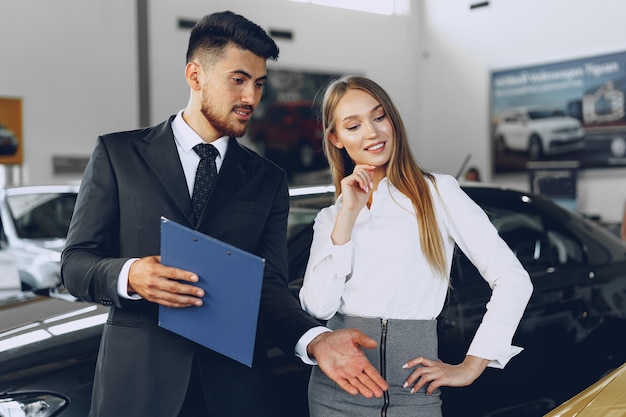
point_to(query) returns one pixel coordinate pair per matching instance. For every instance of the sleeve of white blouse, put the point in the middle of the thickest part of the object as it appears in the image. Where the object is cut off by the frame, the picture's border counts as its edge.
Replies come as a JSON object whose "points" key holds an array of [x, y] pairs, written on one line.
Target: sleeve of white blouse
{"points": [[511, 287], [327, 270]]}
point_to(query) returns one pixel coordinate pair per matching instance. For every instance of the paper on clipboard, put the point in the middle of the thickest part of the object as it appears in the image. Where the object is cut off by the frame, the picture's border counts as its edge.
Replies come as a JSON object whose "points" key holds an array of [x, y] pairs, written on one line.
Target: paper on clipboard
{"points": [[231, 278]]}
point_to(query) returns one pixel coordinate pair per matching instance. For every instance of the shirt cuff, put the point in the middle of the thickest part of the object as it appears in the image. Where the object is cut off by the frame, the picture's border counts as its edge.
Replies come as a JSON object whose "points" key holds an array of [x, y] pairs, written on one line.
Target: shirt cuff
{"points": [[304, 341], [493, 342], [122, 281], [342, 258]]}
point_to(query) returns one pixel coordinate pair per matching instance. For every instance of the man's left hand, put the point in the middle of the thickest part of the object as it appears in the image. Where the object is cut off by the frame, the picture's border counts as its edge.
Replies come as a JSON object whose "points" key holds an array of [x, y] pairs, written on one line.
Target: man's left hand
{"points": [[340, 356]]}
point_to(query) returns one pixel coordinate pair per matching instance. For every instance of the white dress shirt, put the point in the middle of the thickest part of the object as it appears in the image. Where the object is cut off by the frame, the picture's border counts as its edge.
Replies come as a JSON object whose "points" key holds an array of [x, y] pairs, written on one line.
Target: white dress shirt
{"points": [[382, 271], [186, 139]]}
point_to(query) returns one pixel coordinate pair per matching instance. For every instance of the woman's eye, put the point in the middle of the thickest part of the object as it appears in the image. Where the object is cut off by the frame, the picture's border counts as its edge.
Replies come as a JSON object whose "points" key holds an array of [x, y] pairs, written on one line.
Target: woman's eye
{"points": [[381, 117], [352, 128]]}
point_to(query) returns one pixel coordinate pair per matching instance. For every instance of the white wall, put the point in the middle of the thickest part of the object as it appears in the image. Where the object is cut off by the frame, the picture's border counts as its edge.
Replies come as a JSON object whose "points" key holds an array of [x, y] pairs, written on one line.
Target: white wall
{"points": [[325, 39], [74, 63]]}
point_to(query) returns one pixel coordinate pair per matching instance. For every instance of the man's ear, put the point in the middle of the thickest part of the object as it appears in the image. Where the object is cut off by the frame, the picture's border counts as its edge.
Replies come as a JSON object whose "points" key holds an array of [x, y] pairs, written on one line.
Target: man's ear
{"points": [[333, 139], [192, 75]]}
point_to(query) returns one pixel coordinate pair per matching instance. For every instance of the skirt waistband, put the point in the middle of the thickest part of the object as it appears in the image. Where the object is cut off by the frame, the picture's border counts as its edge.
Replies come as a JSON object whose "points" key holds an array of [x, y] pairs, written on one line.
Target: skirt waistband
{"points": [[402, 340]]}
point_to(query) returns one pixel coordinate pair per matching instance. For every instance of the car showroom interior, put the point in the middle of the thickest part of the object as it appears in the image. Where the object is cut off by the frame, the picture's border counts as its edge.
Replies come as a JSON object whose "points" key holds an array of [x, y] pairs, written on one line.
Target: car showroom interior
{"points": [[522, 102]]}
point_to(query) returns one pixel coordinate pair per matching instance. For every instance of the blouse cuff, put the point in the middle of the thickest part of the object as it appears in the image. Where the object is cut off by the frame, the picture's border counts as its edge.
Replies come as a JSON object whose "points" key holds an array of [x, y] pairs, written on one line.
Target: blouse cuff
{"points": [[342, 258], [494, 344]]}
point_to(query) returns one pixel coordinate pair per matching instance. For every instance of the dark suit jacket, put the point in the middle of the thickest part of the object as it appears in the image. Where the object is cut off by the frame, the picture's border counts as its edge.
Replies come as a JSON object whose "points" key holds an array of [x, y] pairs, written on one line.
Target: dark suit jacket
{"points": [[132, 179]]}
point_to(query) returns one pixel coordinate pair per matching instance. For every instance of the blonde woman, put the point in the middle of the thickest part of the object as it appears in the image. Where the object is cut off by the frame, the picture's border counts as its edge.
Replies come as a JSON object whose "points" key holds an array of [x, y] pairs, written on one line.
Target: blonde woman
{"points": [[381, 256]]}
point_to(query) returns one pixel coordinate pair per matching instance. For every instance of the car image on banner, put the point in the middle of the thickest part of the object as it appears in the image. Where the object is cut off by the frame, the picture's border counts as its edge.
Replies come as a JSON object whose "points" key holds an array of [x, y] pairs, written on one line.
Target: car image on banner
{"points": [[539, 131]]}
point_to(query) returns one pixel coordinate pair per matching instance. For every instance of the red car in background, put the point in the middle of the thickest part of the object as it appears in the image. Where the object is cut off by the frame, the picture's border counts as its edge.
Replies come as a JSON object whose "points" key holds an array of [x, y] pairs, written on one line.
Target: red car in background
{"points": [[290, 134]]}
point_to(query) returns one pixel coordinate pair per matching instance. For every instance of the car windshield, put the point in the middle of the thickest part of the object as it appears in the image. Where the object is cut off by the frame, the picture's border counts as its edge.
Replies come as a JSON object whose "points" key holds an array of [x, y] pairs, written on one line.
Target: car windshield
{"points": [[42, 215], [304, 207], [544, 114], [306, 113]]}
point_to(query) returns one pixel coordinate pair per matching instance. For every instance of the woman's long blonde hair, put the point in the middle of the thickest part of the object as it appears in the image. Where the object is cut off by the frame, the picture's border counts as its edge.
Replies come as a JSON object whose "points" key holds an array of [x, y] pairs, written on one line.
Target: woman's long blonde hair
{"points": [[402, 169]]}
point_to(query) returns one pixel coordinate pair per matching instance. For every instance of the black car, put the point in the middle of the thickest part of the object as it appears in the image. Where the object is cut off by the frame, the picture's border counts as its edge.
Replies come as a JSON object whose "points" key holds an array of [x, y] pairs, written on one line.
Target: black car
{"points": [[50, 343], [572, 331]]}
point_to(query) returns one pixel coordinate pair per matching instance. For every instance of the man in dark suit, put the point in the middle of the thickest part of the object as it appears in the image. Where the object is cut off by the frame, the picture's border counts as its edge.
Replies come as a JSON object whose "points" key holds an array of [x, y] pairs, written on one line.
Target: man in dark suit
{"points": [[132, 179]]}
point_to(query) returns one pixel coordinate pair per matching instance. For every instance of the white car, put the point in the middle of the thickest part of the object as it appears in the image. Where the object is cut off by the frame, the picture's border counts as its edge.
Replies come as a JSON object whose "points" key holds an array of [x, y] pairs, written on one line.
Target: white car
{"points": [[10, 283], [539, 131], [35, 220]]}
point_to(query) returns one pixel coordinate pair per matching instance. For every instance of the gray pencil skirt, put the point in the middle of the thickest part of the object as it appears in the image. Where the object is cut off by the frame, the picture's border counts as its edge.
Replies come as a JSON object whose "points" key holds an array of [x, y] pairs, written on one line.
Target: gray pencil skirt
{"points": [[399, 341]]}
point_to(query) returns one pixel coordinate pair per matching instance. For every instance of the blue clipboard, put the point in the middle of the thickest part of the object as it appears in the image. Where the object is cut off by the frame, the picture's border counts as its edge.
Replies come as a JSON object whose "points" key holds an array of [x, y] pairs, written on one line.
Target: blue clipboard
{"points": [[231, 278]]}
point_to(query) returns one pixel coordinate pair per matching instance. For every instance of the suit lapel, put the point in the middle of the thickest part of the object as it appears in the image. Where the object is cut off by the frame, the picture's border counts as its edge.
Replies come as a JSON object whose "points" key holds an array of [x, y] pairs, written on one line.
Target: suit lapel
{"points": [[237, 169], [159, 151]]}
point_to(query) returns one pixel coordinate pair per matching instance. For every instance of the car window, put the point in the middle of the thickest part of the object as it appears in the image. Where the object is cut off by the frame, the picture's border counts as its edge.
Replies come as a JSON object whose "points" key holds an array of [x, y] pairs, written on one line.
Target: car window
{"points": [[513, 118], [277, 114], [545, 114], [537, 244], [42, 215], [299, 218], [302, 211], [306, 113], [540, 245], [304, 208]]}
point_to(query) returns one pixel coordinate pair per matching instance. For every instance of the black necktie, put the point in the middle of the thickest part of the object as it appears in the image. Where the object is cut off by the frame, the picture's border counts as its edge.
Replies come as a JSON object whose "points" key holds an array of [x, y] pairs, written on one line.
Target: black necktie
{"points": [[205, 177]]}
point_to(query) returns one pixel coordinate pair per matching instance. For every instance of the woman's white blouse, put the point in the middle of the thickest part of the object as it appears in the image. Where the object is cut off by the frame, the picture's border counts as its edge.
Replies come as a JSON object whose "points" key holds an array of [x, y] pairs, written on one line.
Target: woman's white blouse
{"points": [[382, 271]]}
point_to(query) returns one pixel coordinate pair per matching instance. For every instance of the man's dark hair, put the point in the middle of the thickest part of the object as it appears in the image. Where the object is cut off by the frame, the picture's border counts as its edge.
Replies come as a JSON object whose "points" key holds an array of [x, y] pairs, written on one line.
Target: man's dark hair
{"points": [[214, 31]]}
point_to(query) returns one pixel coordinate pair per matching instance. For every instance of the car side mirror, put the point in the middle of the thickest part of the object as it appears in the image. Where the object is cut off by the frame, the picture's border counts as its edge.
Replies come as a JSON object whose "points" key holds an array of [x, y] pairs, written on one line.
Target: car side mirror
{"points": [[32, 404]]}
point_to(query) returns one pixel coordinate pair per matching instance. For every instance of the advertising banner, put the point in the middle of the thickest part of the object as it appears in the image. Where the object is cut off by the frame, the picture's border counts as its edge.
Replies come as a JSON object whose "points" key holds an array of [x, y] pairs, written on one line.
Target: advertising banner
{"points": [[565, 111]]}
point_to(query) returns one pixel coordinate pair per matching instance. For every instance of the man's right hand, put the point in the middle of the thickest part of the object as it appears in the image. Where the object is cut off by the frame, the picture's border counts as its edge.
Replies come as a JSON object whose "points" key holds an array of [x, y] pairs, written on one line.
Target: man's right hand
{"points": [[161, 284], [340, 356]]}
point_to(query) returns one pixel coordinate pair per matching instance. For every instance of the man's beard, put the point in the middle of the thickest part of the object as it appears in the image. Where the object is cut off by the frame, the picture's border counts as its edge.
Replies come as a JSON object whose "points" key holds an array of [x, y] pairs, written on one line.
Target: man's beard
{"points": [[221, 124]]}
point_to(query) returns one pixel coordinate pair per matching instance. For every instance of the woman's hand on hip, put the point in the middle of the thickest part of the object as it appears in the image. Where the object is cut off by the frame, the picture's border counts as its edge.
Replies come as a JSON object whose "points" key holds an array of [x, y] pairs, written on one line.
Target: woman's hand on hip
{"points": [[437, 374]]}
